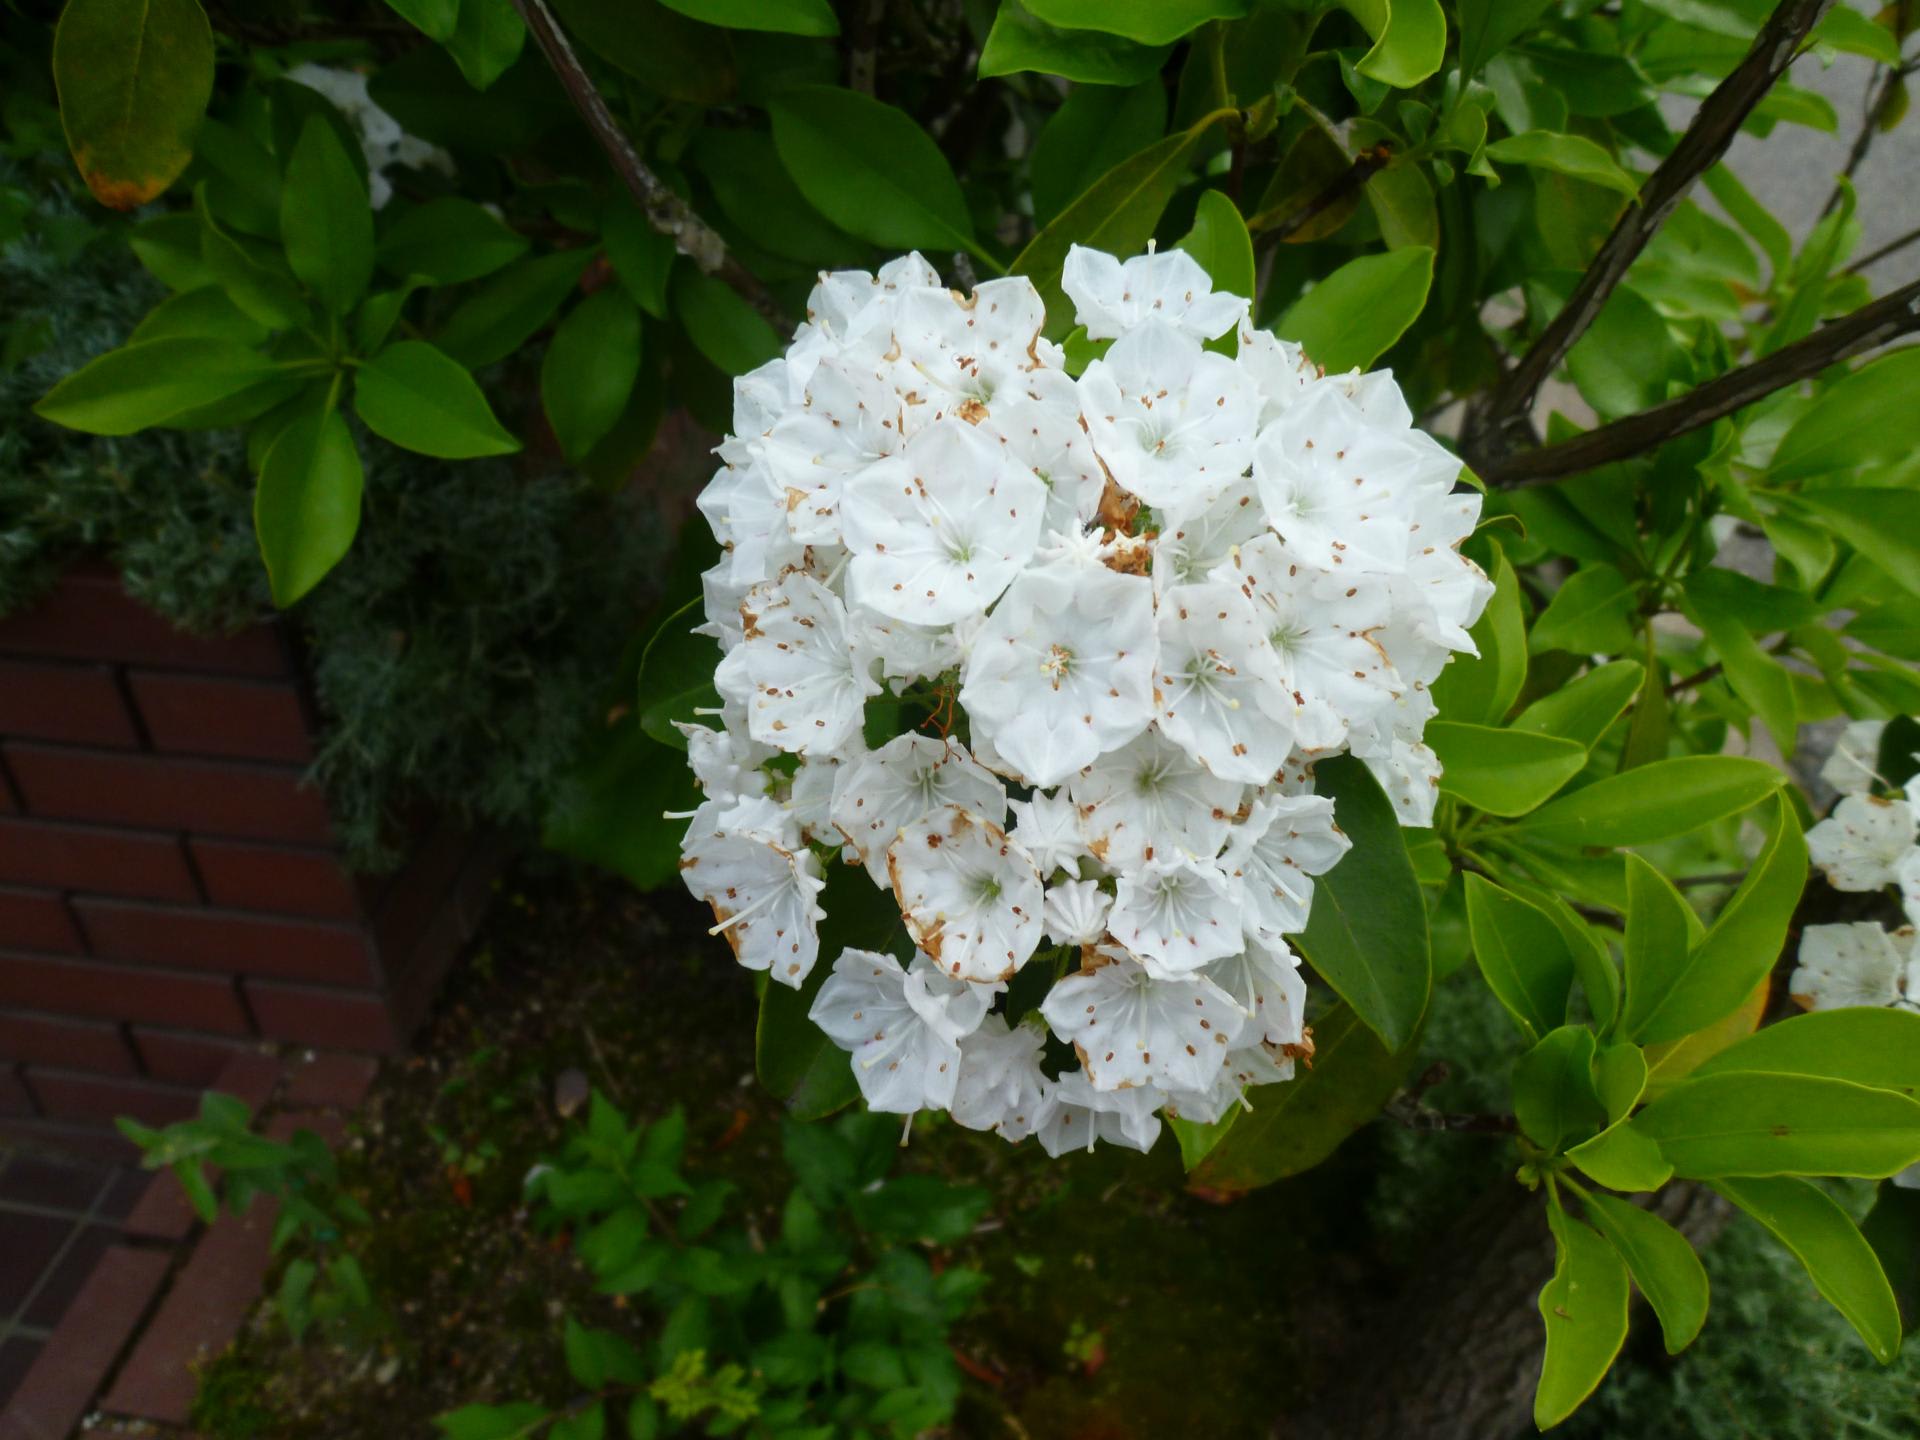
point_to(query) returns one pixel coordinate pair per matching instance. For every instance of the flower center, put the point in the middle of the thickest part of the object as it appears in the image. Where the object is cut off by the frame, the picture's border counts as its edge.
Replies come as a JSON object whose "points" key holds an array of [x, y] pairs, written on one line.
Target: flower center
{"points": [[1057, 665]]}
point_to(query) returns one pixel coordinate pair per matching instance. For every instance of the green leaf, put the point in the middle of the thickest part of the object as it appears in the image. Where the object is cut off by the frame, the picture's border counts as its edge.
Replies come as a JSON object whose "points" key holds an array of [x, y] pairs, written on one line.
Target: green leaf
{"points": [[1117, 213], [510, 307], [1849, 30], [1151, 22], [870, 169], [1488, 26], [1482, 688], [589, 370], [1838, 1258], [1585, 709], [486, 40], [491, 1422], [1627, 359], [1866, 418], [1759, 1124], [1621, 1158], [1869, 1045], [587, 1424], [1355, 315], [1756, 677], [607, 810], [665, 51], [448, 240], [1294, 1126], [1410, 38], [325, 219], [641, 256], [1751, 216], [169, 247], [1662, 1263], [205, 313], [421, 399], [783, 17], [152, 383], [1095, 128], [134, 78], [1367, 932], [306, 507], [1737, 953], [1661, 932], [433, 18], [1018, 41], [723, 327], [1584, 1306], [758, 196], [1504, 772], [1655, 802], [1197, 1140], [373, 322], [1564, 154], [258, 287], [1593, 612], [1553, 1093], [1219, 241], [1403, 204], [1523, 956]]}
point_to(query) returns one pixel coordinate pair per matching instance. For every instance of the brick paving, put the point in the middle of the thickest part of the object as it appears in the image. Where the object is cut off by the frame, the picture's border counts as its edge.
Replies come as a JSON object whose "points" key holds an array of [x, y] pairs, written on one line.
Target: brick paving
{"points": [[112, 1293]]}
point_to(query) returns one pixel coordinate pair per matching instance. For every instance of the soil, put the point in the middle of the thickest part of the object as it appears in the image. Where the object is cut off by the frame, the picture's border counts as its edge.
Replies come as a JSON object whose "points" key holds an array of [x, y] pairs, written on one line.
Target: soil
{"points": [[1119, 1305]]}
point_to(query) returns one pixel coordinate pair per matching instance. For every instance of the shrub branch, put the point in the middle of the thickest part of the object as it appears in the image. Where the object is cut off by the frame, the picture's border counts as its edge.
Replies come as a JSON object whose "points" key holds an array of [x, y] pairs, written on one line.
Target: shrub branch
{"points": [[1501, 420], [1870, 326], [665, 211]]}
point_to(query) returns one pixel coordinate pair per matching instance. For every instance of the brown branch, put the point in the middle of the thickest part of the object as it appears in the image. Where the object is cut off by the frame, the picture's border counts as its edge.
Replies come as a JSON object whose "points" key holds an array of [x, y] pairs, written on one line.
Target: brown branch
{"points": [[1892, 247], [1491, 431], [1890, 78], [665, 211], [1872, 325]]}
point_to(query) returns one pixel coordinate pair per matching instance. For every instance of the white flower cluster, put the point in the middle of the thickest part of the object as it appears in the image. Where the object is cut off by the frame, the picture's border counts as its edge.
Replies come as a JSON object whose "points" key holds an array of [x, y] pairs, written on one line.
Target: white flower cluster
{"points": [[1120, 615], [1868, 843]]}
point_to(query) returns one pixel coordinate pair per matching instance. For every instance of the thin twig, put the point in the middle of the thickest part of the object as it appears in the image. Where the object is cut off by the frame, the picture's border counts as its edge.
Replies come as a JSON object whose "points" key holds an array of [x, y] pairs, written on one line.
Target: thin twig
{"points": [[1890, 78], [665, 211], [1496, 425], [1870, 326], [1892, 247]]}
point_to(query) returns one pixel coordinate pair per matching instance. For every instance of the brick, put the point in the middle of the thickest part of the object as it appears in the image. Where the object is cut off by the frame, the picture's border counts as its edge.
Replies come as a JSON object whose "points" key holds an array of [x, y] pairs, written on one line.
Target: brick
{"points": [[327, 1019], [101, 1099], [244, 876], [71, 1138], [74, 1363], [199, 939], [116, 992], [91, 617], [199, 1317], [78, 704], [251, 1076], [331, 1082], [16, 1101], [89, 857], [74, 1044], [243, 799], [36, 920], [182, 1059], [162, 1212], [202, 715], [418, 891]]}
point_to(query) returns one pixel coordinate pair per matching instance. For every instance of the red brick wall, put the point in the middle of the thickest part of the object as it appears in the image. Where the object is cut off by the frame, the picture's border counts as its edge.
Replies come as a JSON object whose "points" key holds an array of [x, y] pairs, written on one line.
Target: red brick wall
{"points": [[169, 890]]}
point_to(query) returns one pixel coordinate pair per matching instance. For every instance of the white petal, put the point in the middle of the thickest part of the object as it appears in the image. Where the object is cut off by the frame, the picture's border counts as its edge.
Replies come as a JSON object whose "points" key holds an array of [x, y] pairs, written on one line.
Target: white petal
{"points": [[970, 897]]}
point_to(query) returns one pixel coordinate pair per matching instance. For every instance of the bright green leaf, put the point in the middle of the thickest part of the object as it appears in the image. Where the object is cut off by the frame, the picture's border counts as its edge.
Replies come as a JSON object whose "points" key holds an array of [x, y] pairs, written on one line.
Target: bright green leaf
{"points": [[1621, 1158], [1523, 956], [1584, 709], [510, 307], [1661, 932], [206, 313], [1219, 241], [1354, 315], [1489, 26], [251, 278], [1866, 419], [1584, 1306], [306, 507], [1838, 1258], [1571, 155], [1869, 1045], [1553, 1093], [1662, 1263], [1504, 772], [1409, 39], [1743, 1123], [153, 383], [1655, 802], [1594, 611], [325, 219], [1482, 688], [421, 399], [487, 38], [1020, 41], [1150, 22], [723, 326], [1095, 128], [589, 370]]}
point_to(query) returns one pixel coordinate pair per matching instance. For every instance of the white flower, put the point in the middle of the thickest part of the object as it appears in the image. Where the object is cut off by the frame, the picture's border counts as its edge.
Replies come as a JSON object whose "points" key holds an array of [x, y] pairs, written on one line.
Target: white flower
{"points": [[1218, 686], [1280, 369], [1082, 1115], [382, 140], [1861, 844], [852, 419], [902, 1027], [1173, 421], [1321, 626], [1246, 1065], [1265, 983], [1410, 774], [809, 672], [1442, 592], [810, 794], [1132, 1028], [1907, 877], [1286, 840], [938, 531], [1062, 670], [1176, 914], [905, 780], [1855, 761], [970, 896], [1191, 547], [964, 352], [1002, 1087], [1048, 826], [1039, 422], [1855, 964], [1151, 799], [1075, 912], [1110, 297], [748, 516], [1339, 489], [746, 861], [726, 765]]}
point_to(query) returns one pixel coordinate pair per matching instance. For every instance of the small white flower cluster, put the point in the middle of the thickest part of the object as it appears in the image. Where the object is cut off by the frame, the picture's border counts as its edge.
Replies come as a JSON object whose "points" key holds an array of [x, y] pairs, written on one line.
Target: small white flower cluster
{"points": [[382, 140], [1868, 843], [1122, 613]]}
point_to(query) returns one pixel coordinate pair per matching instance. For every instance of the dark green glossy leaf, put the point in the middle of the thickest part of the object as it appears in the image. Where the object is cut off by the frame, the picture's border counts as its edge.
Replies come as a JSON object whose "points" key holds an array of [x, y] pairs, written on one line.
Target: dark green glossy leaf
{"points": [[589, 370], [420, 398], [448, 240], [1523, 956], [1021, 41], [325, 219], [134, 78]]}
